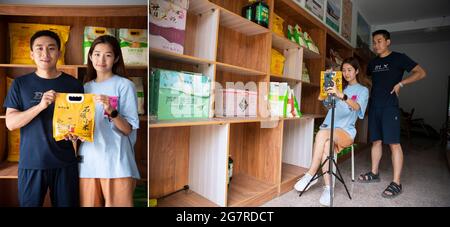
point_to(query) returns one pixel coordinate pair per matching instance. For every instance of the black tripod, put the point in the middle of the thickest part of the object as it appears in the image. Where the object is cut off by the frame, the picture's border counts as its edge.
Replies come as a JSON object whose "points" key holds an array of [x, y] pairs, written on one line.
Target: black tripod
{"points": [[331, 160]]}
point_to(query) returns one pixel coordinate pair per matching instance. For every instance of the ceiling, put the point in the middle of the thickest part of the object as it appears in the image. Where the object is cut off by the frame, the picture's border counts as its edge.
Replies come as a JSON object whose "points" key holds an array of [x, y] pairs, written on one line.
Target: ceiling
{"points": [[379, 12]]}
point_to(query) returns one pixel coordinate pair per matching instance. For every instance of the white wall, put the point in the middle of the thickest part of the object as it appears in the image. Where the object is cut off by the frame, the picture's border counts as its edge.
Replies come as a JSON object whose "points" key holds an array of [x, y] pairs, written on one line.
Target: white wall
{"points": [[75, 2], [428, 96]]}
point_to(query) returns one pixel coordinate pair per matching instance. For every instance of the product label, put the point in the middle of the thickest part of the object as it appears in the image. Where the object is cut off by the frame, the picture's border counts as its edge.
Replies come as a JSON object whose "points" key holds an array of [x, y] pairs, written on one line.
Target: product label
{"points": [[262, 14]]}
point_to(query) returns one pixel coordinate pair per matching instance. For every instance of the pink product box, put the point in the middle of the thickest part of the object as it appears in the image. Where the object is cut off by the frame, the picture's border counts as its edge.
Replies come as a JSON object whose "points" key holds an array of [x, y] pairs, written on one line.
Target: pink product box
{"points": [[167, 26]]}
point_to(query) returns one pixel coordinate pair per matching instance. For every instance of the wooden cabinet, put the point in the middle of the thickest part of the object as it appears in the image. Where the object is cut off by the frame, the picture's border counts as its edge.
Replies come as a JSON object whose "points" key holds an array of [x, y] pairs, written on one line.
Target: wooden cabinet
{"points": [[77, 17]]}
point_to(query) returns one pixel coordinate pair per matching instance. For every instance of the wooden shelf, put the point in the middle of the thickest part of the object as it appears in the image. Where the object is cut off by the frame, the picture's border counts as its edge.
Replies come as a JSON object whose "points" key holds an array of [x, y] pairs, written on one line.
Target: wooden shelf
{"points": [[74, 11], [210, 121], [185, 199], [167, 55], [283, 42], [289, 79], [184, 122], [283, 78], [289, 176], [238, 70], [2, 117], [8, 170], [246, 190]]}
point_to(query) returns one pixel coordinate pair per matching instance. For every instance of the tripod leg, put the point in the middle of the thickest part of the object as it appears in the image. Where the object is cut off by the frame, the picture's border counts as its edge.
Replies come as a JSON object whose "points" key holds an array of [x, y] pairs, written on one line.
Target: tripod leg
{"points": [[340, 178], [316, 176]]}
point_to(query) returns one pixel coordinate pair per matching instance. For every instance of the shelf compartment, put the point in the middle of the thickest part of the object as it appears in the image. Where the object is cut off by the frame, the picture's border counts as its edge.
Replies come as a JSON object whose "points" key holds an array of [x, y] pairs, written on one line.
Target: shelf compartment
{"points": [[182, 156], [230, 17], [256, 154], [246, 190], [297, 151], [238, 49]]}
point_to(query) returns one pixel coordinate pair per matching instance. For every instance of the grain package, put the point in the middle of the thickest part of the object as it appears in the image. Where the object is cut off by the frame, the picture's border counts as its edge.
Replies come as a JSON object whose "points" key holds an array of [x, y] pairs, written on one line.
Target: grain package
{"points": [[133, 43], [13, 137], [74, 114], [20, 35]]}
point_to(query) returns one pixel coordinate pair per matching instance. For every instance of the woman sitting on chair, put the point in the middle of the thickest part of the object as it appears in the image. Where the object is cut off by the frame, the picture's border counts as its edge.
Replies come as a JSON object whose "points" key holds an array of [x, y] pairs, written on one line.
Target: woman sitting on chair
{"points": [[350, 104]]}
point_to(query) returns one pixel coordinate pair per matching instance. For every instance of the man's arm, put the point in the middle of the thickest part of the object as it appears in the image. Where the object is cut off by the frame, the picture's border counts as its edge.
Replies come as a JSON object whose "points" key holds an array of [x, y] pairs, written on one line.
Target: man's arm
{"points": [[417, 73], [16, 119]]}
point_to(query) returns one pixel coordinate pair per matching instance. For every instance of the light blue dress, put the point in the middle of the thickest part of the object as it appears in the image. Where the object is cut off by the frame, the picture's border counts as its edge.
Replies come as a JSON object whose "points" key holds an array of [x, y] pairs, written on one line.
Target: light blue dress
{"points": [[344, 116], [111, 155]]}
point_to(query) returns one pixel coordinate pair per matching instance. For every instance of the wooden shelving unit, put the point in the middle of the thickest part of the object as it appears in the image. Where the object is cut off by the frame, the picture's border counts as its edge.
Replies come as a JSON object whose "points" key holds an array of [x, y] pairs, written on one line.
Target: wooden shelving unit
{"points": [[270, 154], [77, 17]]}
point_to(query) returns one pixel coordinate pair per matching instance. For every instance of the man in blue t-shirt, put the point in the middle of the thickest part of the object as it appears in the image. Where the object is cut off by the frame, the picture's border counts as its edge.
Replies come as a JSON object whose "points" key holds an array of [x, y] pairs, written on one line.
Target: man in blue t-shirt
{"points": [[387, 71], [44, 164]]}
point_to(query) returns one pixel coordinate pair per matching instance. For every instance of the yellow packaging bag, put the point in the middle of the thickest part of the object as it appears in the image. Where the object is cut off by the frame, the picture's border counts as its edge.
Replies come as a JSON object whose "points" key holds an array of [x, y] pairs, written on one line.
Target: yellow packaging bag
{"points": [[74, 114], [336, 76], [277, 62], [13, 137], [278, 25], [20, 35]]}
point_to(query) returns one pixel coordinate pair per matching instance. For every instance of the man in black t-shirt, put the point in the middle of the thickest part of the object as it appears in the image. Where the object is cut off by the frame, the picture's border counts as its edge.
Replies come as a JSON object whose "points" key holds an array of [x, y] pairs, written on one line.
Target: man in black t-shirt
{"points": [[387, 71], [44, 164]]}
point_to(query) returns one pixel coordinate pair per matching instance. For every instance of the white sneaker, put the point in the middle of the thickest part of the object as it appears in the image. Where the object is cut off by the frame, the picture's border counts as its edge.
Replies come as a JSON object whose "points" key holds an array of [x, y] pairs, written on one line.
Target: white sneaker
{"points": [[325, 197], [301, 184]]}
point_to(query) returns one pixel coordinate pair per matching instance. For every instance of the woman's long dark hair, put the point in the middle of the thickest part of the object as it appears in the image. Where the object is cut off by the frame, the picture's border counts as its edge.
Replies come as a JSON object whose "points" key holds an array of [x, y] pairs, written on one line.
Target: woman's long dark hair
{"points": [[360, 76], [118, 66]]}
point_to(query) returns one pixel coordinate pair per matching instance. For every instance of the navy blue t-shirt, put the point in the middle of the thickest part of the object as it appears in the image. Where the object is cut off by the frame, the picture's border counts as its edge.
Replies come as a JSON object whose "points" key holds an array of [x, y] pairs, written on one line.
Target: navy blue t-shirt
{"points": [[386, 73], [38, 148]]}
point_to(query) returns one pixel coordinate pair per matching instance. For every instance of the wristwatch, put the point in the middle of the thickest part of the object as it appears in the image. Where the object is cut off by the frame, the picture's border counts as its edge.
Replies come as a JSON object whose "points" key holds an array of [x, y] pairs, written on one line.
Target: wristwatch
{"points": [[114, 114], [345, 97]]}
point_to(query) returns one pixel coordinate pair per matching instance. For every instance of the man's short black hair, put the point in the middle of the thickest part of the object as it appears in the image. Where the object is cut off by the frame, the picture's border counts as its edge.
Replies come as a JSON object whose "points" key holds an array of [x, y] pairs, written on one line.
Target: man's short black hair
{"points": [[382, 32], [47, 33]]}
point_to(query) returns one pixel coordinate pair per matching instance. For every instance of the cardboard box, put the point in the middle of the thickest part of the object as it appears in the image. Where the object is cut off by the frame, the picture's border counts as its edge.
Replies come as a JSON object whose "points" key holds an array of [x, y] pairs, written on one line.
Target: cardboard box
{"points": [[252, 97], [179, 95], [225, 102], [167, 24]]}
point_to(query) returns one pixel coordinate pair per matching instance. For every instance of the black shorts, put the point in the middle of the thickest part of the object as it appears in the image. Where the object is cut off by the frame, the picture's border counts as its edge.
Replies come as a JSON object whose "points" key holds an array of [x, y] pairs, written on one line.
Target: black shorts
{"points": [[62, 183], [384, 124]]}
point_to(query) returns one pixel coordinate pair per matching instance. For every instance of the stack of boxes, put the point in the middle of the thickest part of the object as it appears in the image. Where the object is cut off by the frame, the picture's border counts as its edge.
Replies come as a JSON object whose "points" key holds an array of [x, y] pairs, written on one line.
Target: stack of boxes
{"points": [[236, 101]]}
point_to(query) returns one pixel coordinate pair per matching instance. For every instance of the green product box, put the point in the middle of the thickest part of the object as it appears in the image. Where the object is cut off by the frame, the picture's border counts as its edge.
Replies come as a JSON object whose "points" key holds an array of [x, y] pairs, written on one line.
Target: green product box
{"points": [[179, 95]]}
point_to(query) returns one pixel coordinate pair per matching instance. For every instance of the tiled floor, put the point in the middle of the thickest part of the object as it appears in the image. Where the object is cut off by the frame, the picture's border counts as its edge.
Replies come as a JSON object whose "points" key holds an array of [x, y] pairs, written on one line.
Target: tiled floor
{"points": [[425, 180]]}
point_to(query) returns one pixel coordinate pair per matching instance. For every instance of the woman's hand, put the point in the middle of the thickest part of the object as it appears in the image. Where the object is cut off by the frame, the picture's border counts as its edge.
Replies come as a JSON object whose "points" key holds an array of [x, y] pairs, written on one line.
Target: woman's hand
{"points": [[333, 90], [73, 138], [104, 100]]}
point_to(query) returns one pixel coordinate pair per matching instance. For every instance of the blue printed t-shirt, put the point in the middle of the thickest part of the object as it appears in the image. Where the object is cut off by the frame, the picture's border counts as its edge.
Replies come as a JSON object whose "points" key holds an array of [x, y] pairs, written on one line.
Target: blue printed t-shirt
{"points": [[386, 72], [111, 155], [38, 148], [344, 115]]}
